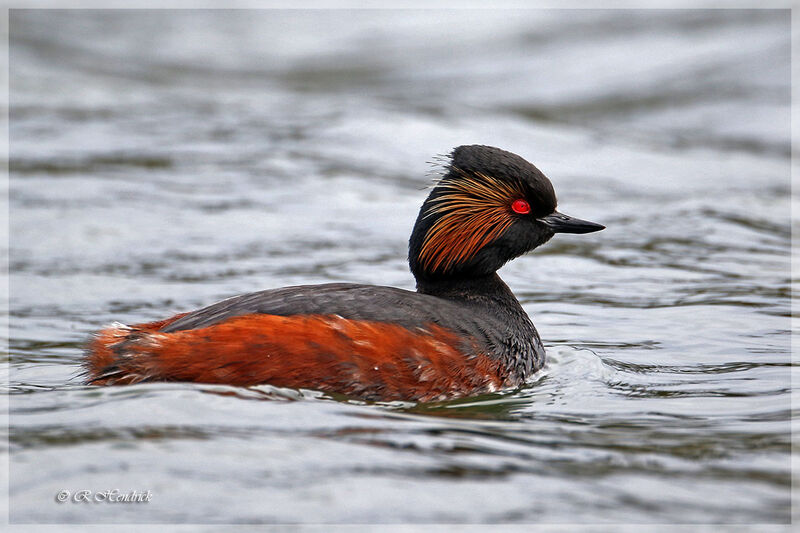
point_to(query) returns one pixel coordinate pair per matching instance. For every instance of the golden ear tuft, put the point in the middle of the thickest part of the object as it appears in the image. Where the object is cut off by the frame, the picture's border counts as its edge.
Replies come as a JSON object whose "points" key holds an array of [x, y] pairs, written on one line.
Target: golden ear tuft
{"points": [[473, 210]]}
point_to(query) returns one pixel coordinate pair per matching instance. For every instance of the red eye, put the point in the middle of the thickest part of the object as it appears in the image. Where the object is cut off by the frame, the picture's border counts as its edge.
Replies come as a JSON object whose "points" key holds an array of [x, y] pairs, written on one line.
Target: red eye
{"points": [[521, 206]]}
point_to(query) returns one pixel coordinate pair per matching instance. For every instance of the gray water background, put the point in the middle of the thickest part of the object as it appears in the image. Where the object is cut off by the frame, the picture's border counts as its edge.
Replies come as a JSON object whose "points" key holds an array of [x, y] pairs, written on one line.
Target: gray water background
{"points": [[163, 160]]}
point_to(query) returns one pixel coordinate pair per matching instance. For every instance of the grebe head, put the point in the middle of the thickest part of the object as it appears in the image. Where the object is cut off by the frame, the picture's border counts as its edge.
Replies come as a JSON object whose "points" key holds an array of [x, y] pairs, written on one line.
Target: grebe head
{"points": [[489, 207]]}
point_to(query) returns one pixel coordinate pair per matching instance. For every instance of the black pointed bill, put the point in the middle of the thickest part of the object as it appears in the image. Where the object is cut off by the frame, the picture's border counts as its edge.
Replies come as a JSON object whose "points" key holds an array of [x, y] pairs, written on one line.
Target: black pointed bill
{"points": [[561, 223]]}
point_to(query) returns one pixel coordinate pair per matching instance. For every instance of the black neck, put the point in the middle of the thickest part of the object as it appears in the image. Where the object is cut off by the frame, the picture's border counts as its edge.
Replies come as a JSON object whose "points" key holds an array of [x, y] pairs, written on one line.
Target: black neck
{"points": [[473, 288]]}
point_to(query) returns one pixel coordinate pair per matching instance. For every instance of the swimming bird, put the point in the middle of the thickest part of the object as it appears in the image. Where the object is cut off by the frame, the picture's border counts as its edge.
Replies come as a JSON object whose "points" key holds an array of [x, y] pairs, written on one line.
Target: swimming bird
{"points": [[461, 333]]}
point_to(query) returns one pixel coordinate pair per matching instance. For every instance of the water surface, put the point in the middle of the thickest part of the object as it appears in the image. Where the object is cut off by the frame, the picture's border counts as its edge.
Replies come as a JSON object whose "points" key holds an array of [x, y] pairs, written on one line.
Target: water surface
{"points": [[164, 160]]}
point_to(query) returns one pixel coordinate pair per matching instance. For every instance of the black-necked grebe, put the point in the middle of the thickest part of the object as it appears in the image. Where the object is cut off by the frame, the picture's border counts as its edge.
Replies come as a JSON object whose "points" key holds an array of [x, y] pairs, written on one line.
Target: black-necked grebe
{"points": [[462, 333]]}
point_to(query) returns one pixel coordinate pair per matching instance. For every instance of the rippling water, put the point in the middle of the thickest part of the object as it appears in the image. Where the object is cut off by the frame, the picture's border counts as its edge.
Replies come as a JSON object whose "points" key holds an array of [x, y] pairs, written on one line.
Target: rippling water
{"points": [[161, 161]]}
